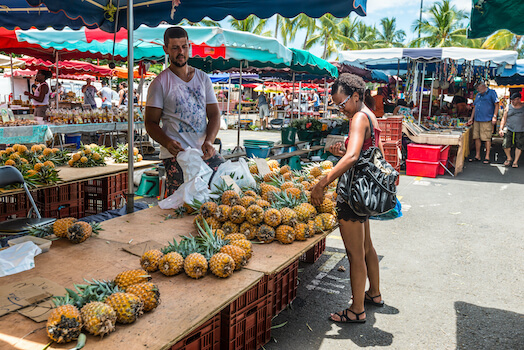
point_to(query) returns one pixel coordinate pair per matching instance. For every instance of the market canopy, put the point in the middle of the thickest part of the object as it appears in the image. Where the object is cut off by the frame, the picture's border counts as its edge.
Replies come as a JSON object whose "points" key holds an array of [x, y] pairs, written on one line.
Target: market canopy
{"points": [[392, 58], [107, 15], [489, 16], [19, 14], [5, 62], [68, 67], [512, 76], [24, 73], [235, 78]]}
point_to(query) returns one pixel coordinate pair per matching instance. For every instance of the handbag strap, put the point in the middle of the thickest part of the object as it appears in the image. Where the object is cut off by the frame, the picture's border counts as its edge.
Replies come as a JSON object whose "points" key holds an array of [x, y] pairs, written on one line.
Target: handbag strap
{"points": [[372, 129]]}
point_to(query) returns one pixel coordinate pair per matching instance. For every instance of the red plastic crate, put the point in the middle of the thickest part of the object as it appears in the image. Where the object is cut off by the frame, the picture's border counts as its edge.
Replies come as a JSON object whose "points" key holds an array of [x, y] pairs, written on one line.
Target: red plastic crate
{"points": [[314, 253], [391, 153], [246, 322], [421, 168], [61, 201], [285, 287], [391, 129], [427, 153], [205, 337], [105, 193], [14, 206], [95, 204], [62, 210]]}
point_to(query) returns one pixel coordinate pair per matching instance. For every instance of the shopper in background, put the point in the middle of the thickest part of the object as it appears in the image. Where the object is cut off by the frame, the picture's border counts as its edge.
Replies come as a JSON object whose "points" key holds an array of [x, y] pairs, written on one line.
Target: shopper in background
{"points": [[379, 103], [513, 123], [89, 92], [263, 109], [483, 117], [105, 94], [122, 93], [40, 96], [368, 100]]}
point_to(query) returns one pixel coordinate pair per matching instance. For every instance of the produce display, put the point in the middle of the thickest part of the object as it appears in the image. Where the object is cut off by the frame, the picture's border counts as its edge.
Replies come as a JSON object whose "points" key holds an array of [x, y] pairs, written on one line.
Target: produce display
{"points": [[120, 154], [70, 228], [88, 156], [62, 116], [17, 122]]}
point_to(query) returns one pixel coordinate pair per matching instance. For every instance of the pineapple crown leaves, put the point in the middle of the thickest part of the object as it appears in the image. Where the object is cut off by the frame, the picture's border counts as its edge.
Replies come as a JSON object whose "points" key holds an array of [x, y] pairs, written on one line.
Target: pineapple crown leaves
{"points": [[283, 199], [221, 188], [208, 240], [171, 247], [95, 226], [41, 231]]}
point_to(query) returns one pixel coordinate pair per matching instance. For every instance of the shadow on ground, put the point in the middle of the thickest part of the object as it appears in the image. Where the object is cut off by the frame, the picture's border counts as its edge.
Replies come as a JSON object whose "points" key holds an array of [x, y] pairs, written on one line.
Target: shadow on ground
{"points": [[305, 324], [487, 328]]}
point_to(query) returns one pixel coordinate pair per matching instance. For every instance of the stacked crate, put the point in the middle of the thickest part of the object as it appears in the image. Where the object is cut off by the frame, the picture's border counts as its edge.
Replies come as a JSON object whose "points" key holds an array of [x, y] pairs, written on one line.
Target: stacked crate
{"points": [[60, 201], [105, 193], [391, 137], [426, 160]]}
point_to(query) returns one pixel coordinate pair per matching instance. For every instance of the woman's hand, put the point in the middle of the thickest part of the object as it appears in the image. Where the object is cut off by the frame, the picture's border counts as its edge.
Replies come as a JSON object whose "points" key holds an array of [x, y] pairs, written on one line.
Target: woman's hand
{"points": [[317, 195], [336, 149]]}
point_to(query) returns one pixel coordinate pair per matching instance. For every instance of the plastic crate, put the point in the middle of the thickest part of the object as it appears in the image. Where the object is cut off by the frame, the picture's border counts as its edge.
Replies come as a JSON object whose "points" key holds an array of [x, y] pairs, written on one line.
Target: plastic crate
{"points": [[314, 253], [391, 129], [72, 208], [61, 201], [285, 287], [205, 337], [246, 322], [392, 153], [105, 193], [421, 168], [14, 206], [427, 153]]}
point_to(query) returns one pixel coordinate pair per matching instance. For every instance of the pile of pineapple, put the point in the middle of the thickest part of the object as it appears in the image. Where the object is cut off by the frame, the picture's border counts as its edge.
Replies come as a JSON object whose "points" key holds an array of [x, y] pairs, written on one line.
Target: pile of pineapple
{"points": [[98, 305], [37, 164], [209, 250], [88, 156], [278, 208], [120, 154], [72, 229]]}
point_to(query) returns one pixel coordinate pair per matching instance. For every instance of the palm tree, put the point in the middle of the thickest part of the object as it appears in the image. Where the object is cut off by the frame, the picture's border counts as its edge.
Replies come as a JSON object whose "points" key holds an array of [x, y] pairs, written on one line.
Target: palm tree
{"points": [[327, 35], [502, 40], [389, 36], [251, 24], [366, 36], [309, 24], [288, 29], [443, 27], [202, 23], [347, 32]]}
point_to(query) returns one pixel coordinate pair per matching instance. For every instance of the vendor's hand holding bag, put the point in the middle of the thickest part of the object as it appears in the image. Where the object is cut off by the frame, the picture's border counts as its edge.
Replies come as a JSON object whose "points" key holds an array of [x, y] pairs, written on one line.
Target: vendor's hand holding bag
{"points": [[369, 186]]}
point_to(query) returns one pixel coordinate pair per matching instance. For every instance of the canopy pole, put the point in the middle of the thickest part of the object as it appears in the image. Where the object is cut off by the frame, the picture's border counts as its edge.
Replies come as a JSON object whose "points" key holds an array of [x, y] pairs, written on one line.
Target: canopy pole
{"points": [[239, 108], [396, 81], [166, 61], [130, 109], [228, 94], [12, 78], [421, 93], [300, 99], [431, 93], [325, 97], [292, 100], [56, 85]]}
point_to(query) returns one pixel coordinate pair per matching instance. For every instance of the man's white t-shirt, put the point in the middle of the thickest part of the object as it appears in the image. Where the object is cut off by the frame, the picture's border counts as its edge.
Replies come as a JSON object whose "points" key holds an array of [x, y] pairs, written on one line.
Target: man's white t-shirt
{"points": [[183, 107], [106, 95]]}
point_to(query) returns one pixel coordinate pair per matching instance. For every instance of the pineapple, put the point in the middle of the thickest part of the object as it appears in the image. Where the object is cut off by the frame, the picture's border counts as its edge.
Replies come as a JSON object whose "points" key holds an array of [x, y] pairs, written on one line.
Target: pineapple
{"points": [[305, 211], [219, 233], [128, 307], [235, 237], [253, 169], [222, 213], [272, 217], [273, 164], [285, 234], [150, 260], [198, 219], [301, 232], [208, 209], [315, 171], [255, 214], [246, 245], [326, 165], [230, 198], [289, 216], [238, 254], [61, 226], [250, 193], [195, 265], [288, 176], [64, 322], [79, 232], [148, 294], [293, 192], [269, 177], [126, 278], [229, 227], [313, 227], [222, 265], [326, 221], [285, 169], [213, 222], [286, 185], [171, 264], [331, 196], [266, 234], [237, 214], [98, 318], [246, 201], [249, 230], [263, 204], [327, 206]]}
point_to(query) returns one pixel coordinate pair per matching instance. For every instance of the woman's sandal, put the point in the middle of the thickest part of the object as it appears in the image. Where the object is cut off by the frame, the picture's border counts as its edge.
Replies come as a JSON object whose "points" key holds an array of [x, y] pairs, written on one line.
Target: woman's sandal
{"points": [[369, 300], [508, 162], [345, 319]]}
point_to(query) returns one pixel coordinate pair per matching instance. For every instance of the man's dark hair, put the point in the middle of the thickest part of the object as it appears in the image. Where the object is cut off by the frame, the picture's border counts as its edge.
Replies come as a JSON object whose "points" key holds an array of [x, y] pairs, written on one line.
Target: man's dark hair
{"points": [[516, 95], [402, 102], [104, 83], [174, 33], [348, 84]]}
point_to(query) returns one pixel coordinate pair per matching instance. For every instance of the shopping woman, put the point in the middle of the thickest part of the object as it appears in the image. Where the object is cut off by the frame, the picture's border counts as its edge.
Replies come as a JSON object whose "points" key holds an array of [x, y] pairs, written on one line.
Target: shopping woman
{"points": [[348, 93], [40, 96]]}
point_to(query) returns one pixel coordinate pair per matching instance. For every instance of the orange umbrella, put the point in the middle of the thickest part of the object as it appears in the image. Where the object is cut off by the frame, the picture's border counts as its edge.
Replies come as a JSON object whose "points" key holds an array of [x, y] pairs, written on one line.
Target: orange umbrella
{"points": [[121, 72]]}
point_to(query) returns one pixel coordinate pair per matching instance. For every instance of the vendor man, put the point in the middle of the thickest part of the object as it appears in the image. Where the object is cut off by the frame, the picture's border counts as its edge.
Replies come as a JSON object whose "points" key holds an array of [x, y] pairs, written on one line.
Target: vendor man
{"points": [[483, 117], [182, 97]]}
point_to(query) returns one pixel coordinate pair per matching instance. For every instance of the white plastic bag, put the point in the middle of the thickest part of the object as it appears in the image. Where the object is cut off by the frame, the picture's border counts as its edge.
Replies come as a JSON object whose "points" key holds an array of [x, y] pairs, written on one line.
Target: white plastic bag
{"points": [[239, 172], [193, 165], [18, 258], [186, 193]]}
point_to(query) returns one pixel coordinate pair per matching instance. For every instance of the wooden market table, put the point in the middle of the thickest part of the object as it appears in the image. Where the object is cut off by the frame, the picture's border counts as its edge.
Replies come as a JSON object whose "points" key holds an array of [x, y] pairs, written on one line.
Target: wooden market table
{"points": [[445, 138]]}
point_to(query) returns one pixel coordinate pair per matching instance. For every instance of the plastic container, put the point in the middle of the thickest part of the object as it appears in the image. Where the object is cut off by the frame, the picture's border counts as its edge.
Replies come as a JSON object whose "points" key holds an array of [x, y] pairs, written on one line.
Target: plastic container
{"points": [[42, 243], [259, 152], [305, 135], [391, 128], [61, 201], [288, 136], [205, 337], [285, 287], [105, 193], [421, 168], [391, 152], [314, 253], [426, 153], [14, 206], [73, 138]]}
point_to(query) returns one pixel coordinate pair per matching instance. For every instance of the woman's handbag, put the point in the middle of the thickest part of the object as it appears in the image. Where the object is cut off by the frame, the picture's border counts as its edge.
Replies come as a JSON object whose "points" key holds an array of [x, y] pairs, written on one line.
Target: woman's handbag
{"points": [[369, 186]]}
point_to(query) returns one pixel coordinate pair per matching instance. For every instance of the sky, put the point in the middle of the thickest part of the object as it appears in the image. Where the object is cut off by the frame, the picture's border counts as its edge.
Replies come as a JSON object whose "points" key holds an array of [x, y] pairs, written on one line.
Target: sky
{"points": [[405, 11]]}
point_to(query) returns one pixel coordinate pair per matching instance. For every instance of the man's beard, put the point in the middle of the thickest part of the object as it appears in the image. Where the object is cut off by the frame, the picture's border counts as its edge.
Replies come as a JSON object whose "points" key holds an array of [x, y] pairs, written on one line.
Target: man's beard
{"points": [[179, 65]]}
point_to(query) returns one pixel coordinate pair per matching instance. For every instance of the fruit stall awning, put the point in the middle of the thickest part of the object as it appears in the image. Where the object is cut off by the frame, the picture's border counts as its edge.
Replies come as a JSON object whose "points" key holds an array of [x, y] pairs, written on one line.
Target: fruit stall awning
{"points": [[32, 73], [68, 67], [153, 12], [5, 62], [512, 76], [489, 16]]}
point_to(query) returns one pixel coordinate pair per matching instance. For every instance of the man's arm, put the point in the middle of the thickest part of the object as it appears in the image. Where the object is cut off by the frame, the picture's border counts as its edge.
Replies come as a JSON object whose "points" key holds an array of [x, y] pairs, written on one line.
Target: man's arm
{"points": [[213, 125], [152, 124], [503, 122], [495, 113], [472, 118], [84, 88]]}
